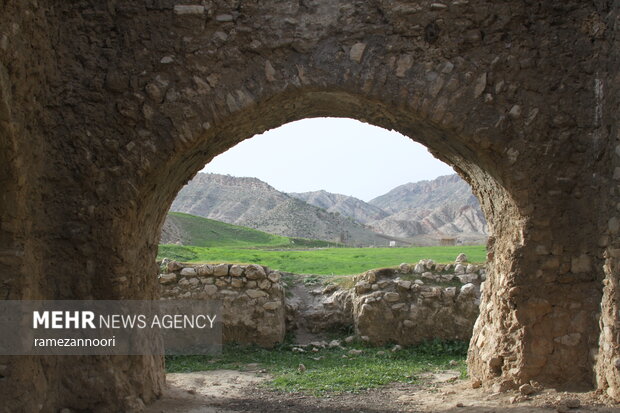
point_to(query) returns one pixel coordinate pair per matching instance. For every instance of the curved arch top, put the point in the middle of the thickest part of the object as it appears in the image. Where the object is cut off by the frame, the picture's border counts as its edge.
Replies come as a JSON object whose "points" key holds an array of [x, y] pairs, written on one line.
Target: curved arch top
{"points": [[115, 105]]}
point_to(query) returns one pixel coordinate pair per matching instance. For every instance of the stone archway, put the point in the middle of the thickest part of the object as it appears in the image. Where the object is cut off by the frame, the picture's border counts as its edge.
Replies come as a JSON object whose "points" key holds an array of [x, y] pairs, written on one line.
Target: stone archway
{"points": [[117, 105]]}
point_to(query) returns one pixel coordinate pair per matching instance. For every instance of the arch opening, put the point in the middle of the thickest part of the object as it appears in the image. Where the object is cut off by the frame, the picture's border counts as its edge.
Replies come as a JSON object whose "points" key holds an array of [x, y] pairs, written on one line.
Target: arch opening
{"points": [[507, 205], [330, 241], [144, 95]]}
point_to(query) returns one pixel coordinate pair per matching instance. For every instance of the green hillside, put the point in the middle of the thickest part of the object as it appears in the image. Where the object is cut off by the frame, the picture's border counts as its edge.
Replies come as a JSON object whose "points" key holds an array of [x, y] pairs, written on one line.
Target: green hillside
{"points": [[325, 261], [212, 241], [203, 232]]}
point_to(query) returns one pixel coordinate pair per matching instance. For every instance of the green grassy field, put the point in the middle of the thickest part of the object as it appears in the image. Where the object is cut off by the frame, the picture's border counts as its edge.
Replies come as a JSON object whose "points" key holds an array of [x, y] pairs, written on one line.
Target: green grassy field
{"points": [[203, 232], [327, 261], [327, 371]]}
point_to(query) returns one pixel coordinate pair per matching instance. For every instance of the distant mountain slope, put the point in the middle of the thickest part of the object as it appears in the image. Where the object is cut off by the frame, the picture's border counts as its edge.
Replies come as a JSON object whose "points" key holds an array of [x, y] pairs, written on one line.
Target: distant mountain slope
{"points": [[299, 219], [445, 220], [225, 198], [345, 205], [188, 229], [428, 210], [443, 206], [444, 190], [252, 203]]}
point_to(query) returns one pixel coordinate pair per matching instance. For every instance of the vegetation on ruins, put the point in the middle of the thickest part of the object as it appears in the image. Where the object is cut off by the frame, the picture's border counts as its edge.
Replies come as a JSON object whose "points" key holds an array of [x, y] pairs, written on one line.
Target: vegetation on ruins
{"points": [[351, 367], [323, 261]]}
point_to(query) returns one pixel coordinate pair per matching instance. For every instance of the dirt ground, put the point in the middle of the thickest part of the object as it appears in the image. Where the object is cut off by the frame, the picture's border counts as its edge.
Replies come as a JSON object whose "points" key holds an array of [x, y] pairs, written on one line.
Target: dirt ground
{"points": [[227, 391]]}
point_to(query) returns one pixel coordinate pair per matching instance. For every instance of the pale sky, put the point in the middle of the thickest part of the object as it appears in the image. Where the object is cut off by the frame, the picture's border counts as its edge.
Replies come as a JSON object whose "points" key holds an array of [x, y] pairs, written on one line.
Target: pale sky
{"points": [[338, 155]]}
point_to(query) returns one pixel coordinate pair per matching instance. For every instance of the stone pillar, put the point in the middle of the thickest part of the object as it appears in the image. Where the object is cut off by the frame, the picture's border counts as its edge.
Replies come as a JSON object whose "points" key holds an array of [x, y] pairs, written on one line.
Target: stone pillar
{"points": [[608, 93], [92, 269], [608, 361], [540, 302]]}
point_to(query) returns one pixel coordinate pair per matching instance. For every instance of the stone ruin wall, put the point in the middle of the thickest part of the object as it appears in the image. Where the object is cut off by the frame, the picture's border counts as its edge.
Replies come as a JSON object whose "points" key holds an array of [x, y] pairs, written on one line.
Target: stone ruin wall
{"points": [[405, 306], [434, 304], [107, 108], [252, 298]]}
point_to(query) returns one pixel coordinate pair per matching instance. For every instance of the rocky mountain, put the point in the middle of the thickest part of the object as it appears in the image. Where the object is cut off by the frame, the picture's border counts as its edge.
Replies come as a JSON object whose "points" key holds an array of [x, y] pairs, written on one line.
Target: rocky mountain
{"points": [[444, 190], [225, 198], [419, 213], [252, 203], [444, 206], [345, 205], [446, 220]]}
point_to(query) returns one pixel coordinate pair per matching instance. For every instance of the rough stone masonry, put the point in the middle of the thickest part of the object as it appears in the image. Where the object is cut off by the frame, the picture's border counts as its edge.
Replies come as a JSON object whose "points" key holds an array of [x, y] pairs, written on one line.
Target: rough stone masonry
{"points": [[381, 307], [107, 108]]}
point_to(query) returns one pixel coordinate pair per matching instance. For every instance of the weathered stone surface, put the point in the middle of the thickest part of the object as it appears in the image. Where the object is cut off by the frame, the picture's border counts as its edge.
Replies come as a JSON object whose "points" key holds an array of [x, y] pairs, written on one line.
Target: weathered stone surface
{"points": [[89, 169], [204, 270], [236, 282], [254, 272], [404, 284], [264, 284], [272, 305], [174, 266], [419, 268], [404, 63], [189, 9], [243, 305], [223, 18], [404, 268], [220, 270], [256, 293], [274, 276], [210, 289], [467, 278], [410, 315], [168, 278], [357, 51], [391, 297], [188, 272], [526, 389], [236, 270], [362, 287]]}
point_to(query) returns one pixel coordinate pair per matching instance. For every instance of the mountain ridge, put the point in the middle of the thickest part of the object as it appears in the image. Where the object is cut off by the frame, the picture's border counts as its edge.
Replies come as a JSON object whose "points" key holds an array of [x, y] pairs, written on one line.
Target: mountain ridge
{"points": [[255, 204], [425, 210]]}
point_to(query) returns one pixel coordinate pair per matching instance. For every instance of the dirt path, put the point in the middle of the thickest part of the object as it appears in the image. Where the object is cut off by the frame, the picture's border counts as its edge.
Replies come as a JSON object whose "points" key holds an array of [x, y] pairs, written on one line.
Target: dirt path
{"points": [[226, 391]]}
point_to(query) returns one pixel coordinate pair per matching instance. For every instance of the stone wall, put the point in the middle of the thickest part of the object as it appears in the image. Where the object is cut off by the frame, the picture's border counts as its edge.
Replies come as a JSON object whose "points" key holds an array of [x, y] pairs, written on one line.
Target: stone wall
{"points": [[405, 305], [436, 302], [108, 108], [252, 298]]}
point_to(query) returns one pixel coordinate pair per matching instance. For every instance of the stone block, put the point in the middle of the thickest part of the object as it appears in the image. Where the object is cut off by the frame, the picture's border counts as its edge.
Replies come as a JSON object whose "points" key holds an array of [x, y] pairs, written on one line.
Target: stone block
{"points": [[220, 270], [168, 278], [236, 270], [404, 284], [391, 297], [174, 266], [190, 9], [210, 289], [188, 272], [362, 287], [272, 305], [459, 269], [256, 293], [204, 270], [357, 52], [274, 276], [254, 272]]}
